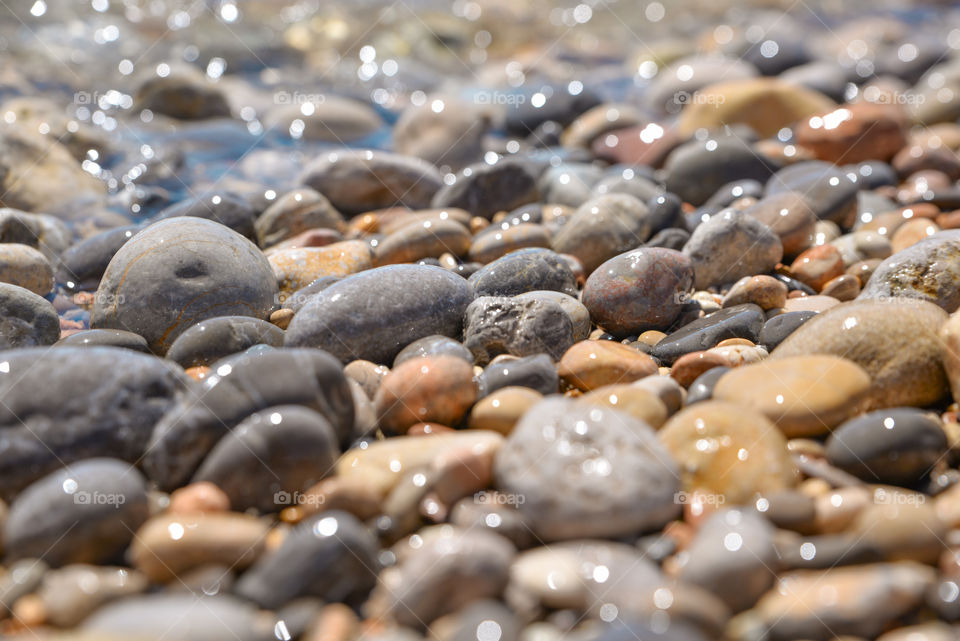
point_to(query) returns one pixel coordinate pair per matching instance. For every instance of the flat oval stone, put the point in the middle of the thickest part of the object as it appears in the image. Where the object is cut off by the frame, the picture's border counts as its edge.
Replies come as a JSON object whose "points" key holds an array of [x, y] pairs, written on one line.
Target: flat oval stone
{"points": [[356, 181], [500, 410], [778, 328], [178, 272], [855, 132], [483, 190], [523, 271], [603, 227], [496, 325], [817, 266], [126, 395], [71, 593], [438, 389], [728, 452], [827, 189], [898, 446], [586, 471], [210, 340], [295, 212], [82, 265], [536, 372], [894, 340], [86, 513], [25, 267], [729, 246], [765, 291], [289, 448], [697, 169], [436, 345], [578, 313], [740, 321], [105, 338], [418, 240], [928, 270], [297, 268], [803, 395], [26, 320], [588, 365], [639, 290], [701, 389], [228, 209], [638, 402], [491, 245], [374, 314]]}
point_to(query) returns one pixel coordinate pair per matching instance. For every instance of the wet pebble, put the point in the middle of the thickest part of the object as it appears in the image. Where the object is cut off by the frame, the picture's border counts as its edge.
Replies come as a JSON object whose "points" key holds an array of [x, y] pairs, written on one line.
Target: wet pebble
{"points": [[297, 268], [501, 410], [764, 291], [483, 190], [491, 245], [523, 271], [293, 213], [496, 325], [26, 320], [535, 372], [438, 389], [778, 328], [210, 340], [419, 240], [928, 270], [25, 267], [729, 246], [105, 338], [603, 227], [739, 321], [72, 592], [817, 266], [578, 313], [591, 364]]}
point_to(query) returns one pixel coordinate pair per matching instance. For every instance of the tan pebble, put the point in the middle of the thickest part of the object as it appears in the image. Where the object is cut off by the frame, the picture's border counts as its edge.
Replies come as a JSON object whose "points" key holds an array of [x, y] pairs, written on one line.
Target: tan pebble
{"points": [[348, 493], [735, 341], [501, 410], [202, 496], [765, 291], [25, 267], [282, 317], [294, 269], [807, 447], [814, 487], [810, 303], [817, 265], [690, 366], [437, 389], [591, 364], [912, 232], [428, 429], [29, 611], [367, 374], [844, 287], [836, 509], [855, 132], [737, 355], [651, 337], [335, 622], [478, 223], [666, 389], [864, 269], [630, 399]]}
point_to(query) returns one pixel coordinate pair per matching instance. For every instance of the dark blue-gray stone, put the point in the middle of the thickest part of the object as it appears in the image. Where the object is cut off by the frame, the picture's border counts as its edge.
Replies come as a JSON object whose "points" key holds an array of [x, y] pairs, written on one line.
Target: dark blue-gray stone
{"points": [[536, 372], [525, 270], [740, 321], [105, 338], [776, 330], [210, 340]]}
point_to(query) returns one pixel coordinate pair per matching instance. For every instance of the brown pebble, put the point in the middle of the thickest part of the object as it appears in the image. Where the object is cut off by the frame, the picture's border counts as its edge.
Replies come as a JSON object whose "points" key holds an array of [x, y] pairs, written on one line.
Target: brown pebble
{"points": [[817, 265], [501, 410], [912, 232], [765, 291], [428, 389], [844, 287], [198, 373], [282, 317], [590, 364], [29, 611], [690, 366], [347, 493], [202, 496], [651, 337], [335, 622]]}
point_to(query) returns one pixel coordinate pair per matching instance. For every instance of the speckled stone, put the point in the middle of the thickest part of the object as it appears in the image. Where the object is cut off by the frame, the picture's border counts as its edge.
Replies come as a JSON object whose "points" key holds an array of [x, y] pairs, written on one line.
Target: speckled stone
{"points": [[603, 227], [639, 290], [591, 364], [894, 340], [438, 389], [178, 272], [210, 340], [578, 313], [803, 395], [764, 291], [729, 246], [500, 241], [928, 270], [423, 239], [295, 212], [297, 268], [26, 320], [374, 314], [25, 267], [596, 473], [525, 270], [739, 321], [496, 325]]}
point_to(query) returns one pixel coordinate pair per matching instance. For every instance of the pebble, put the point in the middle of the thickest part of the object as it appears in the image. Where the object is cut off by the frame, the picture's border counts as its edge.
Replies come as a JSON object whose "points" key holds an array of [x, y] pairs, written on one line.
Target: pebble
{"points": [[640, 403], [764, 291], [803, 395], [26, 320], [777, 329], [729, 246], [523, 271], [82, 265], [701, 389], [535, 372], [862, 245], [686, 369], [730, 453], [894, 340], [828, 190], [178, 272], [47, 233], [900, 525], [899, 446], [437, 389], [436, 345], [226, 208], [72, 592], [844, 287], [595, 122], [86, 513], [374, 314], [578, 313], [638, 291], [483, 190], [603, 227], [489, 246], [500, 411], [855, 132], [293, 213], [690, 73], [452, 136], [330, 555], [356, 181], [419, 240], [739, 321], [817, 266], [198, 497], [106, 338], [210, 340], [928, 270], [912, 232], [697, 169], [25, 267], [592, 364], [295, 269], [814, 304], [367, 375], [496, 325]]}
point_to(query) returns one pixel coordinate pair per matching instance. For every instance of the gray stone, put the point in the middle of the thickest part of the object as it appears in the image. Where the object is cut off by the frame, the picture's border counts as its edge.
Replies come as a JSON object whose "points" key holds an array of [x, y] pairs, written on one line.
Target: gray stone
{"points": [[496, 325], [523, 271], [295, 212], [436, 345], [82, 265], [729, 246], [697, 169], [603, 227], [210, 340], [26, 320], [484, 190], [928, 270]]}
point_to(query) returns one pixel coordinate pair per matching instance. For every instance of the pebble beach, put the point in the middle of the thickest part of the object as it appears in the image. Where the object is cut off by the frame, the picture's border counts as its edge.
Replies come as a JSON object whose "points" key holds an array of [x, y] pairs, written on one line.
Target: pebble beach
{"points": [[479, 320]]}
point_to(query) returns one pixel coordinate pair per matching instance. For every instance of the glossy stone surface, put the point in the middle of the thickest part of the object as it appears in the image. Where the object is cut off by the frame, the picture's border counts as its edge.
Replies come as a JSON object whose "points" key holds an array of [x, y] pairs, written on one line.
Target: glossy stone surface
{"points": [[740, 321], [522, 271], [213, 339]]}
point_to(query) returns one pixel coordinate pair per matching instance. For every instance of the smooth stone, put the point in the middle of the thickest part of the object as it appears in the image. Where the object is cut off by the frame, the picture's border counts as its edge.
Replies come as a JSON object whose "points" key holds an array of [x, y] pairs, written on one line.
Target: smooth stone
{"points": [[591, 364], [481, 617], [496, 325], [646, 144], [82, 265], [375, 314], [602, 228], [198, 497], [740, 321], [639, 290], [829, 191], [535, 372], [500, 410], [764, 291], [125, 394], [928, 270], [586, 471], [367, 375], [318, 237], [418, 591], [238, 387], [860, 601], [185, 94], [26, 320], [728, 452], [863, 245], [42, 231], [86, 513], [844, 287], [687, 75], [491, 511], [686, 369], [912, 232], [290, 448], [697, 169], [452, 136], [489, 246], [803, 395], [295, 212], [578, 313], [295, 269], [826, 77], [701, 389], [436, 345], [483, 190], [357, 181], [777, 329], [437, 389], [210, 340], [331, 555], [228, 209], [899, 525], [295, 301], [818, 265], [815, 304], [729, 246], [569, 184], [640, 403], [522, 271], [894, 340], [854, 132], [932, 631], [72, 592], [560, 106], [950, 335], [419, 240], [178, 272], [176, 616], [329, 118], [733, 547], [599, 120], [25, 267], [898, 446]]}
